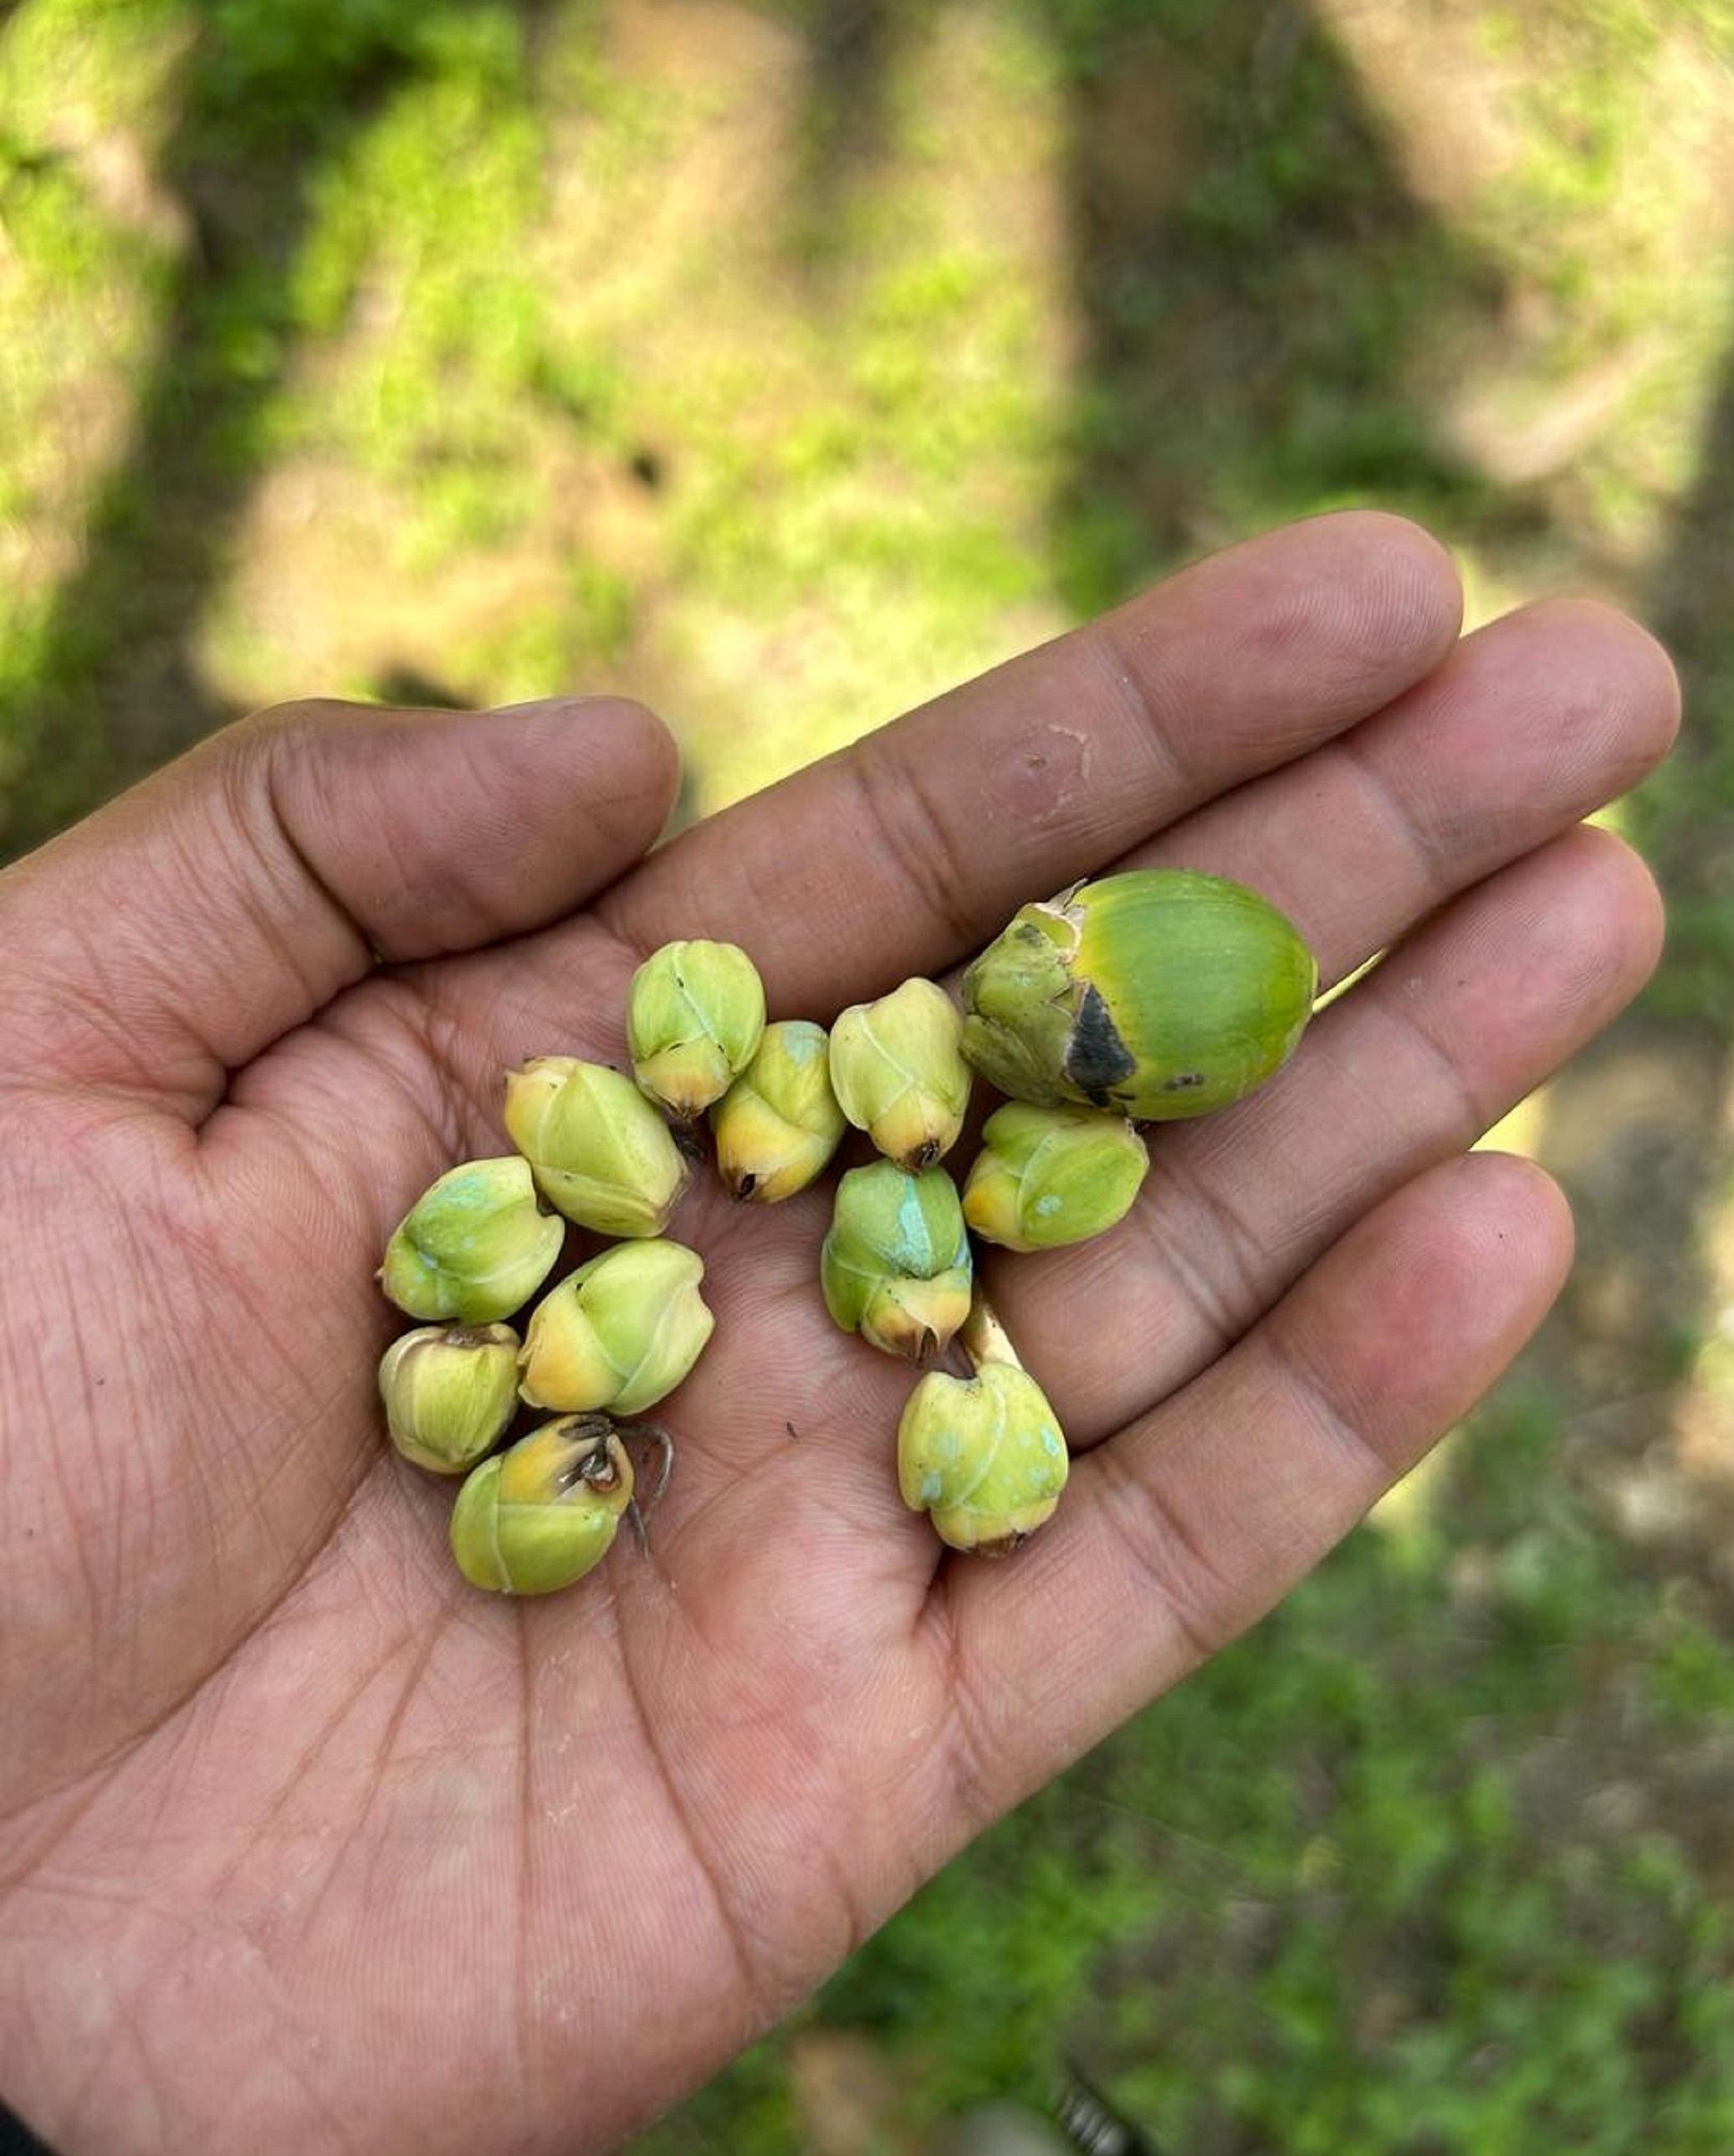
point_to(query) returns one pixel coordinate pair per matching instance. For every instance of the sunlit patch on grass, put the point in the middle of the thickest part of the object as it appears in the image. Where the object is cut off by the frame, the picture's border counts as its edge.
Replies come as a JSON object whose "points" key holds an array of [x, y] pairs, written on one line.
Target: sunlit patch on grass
{"points": [[1521, 1129], [1406, 1513]]}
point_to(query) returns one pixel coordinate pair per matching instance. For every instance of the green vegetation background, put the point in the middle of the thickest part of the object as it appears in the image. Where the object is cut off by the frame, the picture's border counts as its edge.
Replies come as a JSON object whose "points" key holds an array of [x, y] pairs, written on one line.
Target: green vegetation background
{"points": [[785, 362]]}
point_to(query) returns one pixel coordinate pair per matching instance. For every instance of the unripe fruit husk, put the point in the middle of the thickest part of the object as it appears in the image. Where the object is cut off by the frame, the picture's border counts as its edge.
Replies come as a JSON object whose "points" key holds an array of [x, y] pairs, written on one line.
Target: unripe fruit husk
{"points": [[778, 1124], [983, 1457], [898, 1071], [475, 1247], [599, 1150], [619, 1333], [540, 1515], [1158, 993], [895, 1266], [694, 1013], [449, 1392], [1049, 1177]]}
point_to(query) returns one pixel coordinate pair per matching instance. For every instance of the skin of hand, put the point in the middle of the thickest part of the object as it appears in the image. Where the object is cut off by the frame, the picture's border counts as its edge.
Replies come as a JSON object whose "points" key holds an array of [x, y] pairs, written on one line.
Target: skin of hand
{"points": [[307, 1844]]}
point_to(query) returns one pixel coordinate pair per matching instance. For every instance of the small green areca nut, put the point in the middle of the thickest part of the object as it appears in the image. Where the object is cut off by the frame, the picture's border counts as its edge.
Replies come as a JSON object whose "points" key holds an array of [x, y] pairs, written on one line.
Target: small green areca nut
{"points": [[544, 1512], [1046, 1177], [694, 1014], [1158, 993], [619, 1333], [983, 1457], [598, 1150], [895, 1266], [449, 1392], [898, 1071], [475, 1247], [778, 1124]]}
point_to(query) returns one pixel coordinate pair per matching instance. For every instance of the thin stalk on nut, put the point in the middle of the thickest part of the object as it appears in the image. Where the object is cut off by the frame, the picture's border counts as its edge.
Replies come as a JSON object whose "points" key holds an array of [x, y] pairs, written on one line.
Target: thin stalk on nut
{"points": [[663, 1438], [983, 1338]]}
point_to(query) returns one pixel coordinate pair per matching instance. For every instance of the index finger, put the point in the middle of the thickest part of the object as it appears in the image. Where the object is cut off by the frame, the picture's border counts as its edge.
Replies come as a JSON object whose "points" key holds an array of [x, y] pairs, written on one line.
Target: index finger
{"points": [[903, 854]]}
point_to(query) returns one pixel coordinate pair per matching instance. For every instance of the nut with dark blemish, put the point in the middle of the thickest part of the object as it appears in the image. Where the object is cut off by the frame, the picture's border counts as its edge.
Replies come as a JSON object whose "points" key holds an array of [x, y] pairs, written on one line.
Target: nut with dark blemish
{"points": [[544, 1511], [1157, 993]]}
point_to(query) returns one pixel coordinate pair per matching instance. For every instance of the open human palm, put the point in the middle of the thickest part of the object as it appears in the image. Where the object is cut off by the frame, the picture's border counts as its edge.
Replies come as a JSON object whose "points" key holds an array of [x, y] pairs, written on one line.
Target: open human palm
{"points": [[308, 1844]]}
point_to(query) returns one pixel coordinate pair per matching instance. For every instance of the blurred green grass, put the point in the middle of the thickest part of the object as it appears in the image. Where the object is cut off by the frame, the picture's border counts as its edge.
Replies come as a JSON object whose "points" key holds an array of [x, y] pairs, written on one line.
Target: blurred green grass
{"points": [[784, 363]]}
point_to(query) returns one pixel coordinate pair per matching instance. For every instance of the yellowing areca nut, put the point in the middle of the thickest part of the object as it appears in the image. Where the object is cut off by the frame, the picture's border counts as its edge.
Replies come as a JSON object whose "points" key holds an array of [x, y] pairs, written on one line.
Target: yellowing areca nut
{"points": [[1046, 1177], [694, 1015], [1158, 993], [450, 1392], [475, 1247], [598, 1149], [898, 1071], [983, 1457], [778, 1124], [620, 1333], [896, 1267], [543, 1513]]}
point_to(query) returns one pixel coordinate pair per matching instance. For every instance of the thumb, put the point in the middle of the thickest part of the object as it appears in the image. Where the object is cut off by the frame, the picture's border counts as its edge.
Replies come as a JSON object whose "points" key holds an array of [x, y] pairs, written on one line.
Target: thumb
{"points": [[170, 937]]}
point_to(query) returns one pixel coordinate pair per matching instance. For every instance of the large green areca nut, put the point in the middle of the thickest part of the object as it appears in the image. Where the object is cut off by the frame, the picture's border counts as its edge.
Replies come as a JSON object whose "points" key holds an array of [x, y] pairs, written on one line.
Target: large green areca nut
{"points": [[983, 1457], [898, 1071], [475, 1247], [1158, 993], [619, 1333], [895, 1266], [778, 1124], [450, 1392], [543, 1513], [1046, 1177], [598, 1150], [695, 1013]]}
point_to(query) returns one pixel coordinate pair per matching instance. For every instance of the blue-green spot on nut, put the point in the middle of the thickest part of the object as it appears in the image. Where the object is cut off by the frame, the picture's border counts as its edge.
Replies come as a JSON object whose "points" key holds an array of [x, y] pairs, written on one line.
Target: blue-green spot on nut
{"points": [[895, 1266]]}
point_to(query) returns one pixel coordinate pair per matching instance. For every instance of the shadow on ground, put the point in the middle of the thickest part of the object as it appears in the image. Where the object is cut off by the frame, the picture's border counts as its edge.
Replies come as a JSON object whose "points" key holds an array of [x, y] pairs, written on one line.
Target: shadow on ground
{"points": [[852, 47], [1639, 1127], [1257, 288], [266, 100]]}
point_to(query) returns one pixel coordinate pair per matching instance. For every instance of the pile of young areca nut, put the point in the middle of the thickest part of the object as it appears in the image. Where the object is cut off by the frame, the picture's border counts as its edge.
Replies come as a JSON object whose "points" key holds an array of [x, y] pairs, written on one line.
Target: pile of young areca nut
{"points": [[1137, 998]]}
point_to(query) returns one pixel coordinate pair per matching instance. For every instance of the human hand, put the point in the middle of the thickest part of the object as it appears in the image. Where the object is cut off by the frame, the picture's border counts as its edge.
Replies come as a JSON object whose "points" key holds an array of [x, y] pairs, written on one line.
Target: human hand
{"points": [[307, 1844]]}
